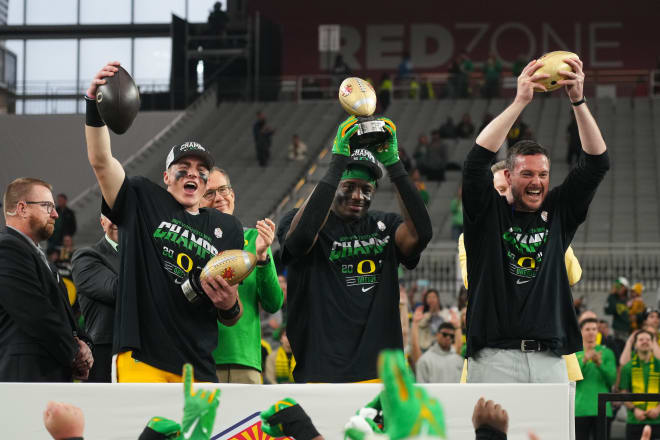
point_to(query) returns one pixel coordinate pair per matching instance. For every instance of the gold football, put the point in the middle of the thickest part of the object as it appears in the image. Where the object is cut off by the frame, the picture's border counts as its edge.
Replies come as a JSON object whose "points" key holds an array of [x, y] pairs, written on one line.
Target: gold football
{"points": [[232, 265], [553, 62], [357, 97]]}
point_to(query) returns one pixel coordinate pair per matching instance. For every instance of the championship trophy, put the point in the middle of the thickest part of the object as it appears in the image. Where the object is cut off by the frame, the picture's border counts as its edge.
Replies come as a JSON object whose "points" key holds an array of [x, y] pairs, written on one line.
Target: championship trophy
{"points": [[358, 98]]}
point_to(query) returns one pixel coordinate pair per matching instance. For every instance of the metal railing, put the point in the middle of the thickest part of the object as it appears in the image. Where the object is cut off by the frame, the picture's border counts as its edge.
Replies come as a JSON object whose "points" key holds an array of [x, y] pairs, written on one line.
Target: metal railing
{"points": [[603, 398], [324, 87]]}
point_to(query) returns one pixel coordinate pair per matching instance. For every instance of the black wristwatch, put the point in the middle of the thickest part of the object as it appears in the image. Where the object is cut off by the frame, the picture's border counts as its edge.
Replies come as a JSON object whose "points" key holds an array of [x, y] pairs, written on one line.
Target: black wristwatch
{"points": [[581, 101], [266, 262]]}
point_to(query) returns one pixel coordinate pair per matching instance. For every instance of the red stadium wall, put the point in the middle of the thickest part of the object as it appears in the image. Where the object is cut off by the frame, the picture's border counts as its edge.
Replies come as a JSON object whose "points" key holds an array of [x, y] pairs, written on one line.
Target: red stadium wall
{"points": [[375, 34]]}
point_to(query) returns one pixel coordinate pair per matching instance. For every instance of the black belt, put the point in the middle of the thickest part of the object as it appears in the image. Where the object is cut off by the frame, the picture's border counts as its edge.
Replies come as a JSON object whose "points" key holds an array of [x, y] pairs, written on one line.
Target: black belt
{"points": [[527, 345]]}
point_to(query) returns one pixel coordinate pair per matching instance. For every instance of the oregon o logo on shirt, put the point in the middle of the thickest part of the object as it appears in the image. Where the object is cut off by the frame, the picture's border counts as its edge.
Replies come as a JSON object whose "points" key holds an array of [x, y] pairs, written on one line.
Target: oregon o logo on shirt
{"points": [[522, 262], [179, 262], [360, 266]]}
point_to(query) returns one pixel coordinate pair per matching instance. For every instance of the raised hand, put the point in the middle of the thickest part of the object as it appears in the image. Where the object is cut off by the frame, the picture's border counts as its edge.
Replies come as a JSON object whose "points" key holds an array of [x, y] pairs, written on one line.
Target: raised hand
{"points": [[388, 153], [266, 230], [286, 418], [491, 414], [199, 408], [344, 132], [63, 420], [574, 81], [408, 411], [527, 82], [107, 70]]}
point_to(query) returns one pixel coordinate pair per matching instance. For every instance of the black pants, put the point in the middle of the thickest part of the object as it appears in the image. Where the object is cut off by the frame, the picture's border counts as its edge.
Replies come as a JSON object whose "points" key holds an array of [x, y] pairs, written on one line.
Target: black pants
{"points": [[102, 369], [586, 428], [634, 432], [263, 153]]}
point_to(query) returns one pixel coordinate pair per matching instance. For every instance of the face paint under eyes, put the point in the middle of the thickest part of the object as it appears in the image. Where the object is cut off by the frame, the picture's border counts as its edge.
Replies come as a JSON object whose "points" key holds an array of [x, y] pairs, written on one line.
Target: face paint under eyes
{"points": [[180, 174], [348, 206]]}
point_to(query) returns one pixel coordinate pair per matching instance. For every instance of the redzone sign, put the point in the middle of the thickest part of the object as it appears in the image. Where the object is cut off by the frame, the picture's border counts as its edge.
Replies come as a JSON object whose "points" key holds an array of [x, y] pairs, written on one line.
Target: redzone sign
{"points": [[376, 34]]}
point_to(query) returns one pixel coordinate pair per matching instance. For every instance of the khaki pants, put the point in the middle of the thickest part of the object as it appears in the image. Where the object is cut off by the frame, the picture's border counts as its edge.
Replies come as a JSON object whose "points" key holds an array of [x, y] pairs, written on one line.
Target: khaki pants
{"points": [[237, 374]]}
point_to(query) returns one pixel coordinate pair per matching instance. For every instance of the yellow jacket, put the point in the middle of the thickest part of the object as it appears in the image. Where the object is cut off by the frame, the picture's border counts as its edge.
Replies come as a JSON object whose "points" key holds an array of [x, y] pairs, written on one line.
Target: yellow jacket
{"points": [[574, 272]]}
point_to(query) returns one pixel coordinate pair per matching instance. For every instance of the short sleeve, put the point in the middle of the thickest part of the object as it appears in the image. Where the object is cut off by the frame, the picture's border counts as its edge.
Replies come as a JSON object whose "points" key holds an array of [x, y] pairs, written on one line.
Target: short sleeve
{"points": [[115, 214]]}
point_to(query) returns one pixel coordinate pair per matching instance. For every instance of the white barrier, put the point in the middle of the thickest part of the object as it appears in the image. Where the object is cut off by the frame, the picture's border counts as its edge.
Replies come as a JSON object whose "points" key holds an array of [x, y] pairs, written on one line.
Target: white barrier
{"points": [[120, 411]]}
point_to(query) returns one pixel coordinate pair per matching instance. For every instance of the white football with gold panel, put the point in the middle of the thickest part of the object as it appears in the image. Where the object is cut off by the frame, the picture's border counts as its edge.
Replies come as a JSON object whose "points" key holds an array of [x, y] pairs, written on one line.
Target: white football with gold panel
{"points": [[233, 265], [357, 97]]}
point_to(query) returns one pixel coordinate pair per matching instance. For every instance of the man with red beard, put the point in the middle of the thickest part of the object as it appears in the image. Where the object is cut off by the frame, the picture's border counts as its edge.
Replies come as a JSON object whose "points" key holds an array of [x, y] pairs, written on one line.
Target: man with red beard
{"points": [[38, 338], [520, 316], [164, 235]]}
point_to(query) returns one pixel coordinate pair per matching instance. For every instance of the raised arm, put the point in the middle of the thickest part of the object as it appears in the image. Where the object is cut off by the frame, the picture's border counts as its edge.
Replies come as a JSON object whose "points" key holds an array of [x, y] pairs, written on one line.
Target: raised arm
{"points": [[416, 231], [493, 135], [109, 172], [313, 214], [590, 136]]}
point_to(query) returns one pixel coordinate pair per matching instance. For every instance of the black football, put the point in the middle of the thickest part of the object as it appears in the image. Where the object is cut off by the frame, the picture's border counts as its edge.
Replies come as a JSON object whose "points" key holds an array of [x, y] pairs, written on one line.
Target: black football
{"points": [[118, 101]]}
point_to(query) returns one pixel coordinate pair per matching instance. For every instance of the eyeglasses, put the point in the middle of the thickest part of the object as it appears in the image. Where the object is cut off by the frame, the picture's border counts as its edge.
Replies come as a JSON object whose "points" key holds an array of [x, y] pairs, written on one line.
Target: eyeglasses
{"points": [[448, 335], [223, 190], [48, 205]]}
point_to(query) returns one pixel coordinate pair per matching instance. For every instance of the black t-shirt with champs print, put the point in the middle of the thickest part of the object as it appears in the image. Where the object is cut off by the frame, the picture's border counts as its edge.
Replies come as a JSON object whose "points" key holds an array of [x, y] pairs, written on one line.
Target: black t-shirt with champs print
{"points": [[343, 298], [518, 285], [159, 243]]}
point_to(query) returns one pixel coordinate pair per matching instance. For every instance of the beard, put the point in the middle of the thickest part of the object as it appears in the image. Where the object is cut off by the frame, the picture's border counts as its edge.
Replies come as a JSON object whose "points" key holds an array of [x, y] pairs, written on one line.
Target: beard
{"points": [[42, 230]]}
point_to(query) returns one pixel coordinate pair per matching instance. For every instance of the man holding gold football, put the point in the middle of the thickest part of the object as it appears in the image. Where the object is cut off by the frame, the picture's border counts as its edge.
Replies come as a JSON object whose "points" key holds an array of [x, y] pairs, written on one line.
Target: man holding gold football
{"points": [[343, 288], [520, 316], [163, 236]]}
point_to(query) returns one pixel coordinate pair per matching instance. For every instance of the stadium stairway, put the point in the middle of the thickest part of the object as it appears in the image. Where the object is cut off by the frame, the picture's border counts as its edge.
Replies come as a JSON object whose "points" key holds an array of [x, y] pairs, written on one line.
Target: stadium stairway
{"points": [[625, 208]]}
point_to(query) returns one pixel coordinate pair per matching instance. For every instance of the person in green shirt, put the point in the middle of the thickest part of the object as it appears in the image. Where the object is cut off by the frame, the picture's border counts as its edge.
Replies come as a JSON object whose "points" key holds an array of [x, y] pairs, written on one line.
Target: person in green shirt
{"points": [[642, 375], [599, 371], [238, 355]]}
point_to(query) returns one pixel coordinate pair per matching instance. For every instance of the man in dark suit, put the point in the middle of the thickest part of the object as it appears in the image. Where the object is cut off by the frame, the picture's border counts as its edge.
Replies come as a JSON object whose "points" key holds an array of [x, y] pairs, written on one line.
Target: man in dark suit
{"points": [[95, 274], [38, 337]]}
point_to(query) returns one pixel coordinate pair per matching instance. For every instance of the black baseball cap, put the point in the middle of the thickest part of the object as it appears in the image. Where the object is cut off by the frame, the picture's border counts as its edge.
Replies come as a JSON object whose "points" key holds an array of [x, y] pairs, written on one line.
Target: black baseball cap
{"points": [[189, 149], [365, 158]]}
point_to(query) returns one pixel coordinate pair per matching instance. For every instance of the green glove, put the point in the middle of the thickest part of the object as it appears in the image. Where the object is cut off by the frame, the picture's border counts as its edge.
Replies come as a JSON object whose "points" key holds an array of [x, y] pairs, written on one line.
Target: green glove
{"points": [[161, 428], [407, 409], [199, 408], [286, 418], [388, 154], [344, 133]]}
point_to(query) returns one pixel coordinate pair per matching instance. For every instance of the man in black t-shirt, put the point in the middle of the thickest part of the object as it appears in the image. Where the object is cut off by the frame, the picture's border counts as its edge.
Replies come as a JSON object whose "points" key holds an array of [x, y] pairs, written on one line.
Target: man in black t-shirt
{"points": [[520, 316], [164, 235], [343, 289]]}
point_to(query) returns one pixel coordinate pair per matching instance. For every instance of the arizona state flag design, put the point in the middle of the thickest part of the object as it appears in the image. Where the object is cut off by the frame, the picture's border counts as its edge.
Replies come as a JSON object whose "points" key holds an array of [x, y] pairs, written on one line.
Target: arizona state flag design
{"points": [[247, 429]]}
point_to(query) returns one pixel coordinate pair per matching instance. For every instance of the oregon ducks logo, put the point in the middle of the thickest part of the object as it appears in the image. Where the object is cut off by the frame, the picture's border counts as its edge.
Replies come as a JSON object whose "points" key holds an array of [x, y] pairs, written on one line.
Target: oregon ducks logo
{"points": [[99, 96], [370, 267], [184, 262], [527, 262]]}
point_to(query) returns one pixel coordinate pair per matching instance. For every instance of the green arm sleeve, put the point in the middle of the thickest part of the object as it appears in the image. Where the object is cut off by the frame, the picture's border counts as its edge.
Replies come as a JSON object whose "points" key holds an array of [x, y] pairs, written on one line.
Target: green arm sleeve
{"points": [[608, 367], [268, 287]]}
